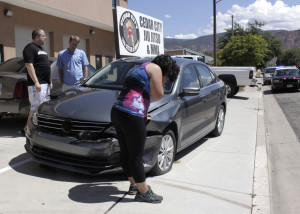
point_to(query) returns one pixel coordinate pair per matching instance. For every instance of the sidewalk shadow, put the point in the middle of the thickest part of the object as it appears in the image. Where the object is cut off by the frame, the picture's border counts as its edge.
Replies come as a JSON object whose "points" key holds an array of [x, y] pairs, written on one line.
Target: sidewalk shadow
{"points": [[97, 193]]}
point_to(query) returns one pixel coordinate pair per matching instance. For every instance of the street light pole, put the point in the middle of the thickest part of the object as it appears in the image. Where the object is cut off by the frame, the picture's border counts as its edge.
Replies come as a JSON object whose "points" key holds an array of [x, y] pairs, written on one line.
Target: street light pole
{"points": [[215, 32], [215, 35], [232, 25]]}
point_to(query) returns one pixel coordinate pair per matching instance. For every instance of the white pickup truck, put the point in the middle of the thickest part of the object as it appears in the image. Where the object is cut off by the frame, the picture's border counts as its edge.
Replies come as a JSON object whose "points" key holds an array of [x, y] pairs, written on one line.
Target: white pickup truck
{"points": [[235, 77]]}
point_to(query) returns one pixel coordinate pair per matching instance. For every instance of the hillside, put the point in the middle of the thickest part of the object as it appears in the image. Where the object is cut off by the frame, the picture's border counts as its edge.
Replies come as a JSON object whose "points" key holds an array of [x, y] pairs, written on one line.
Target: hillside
{"points": [[289, 39]]}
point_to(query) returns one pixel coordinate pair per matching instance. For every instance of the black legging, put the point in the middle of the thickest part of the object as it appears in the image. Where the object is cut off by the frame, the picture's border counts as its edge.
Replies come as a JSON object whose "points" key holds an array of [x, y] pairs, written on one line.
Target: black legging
{"points": [[131, 134]]}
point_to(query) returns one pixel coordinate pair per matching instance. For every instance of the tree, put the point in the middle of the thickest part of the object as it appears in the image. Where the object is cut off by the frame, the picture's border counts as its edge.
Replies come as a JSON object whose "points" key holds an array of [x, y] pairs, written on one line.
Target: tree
{"points": [[289, 57], [248, 50], [273, 48]]}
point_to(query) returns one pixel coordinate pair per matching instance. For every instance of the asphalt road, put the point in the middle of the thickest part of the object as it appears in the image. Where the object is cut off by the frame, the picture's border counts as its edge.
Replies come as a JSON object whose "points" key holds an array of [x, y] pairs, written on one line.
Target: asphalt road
{"points": [[281, 113], [289, 103]]}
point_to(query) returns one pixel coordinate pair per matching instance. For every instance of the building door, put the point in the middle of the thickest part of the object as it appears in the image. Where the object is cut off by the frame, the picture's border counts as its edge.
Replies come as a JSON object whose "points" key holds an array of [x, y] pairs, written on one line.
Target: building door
{"points": [[98, 62], [23, 37]]}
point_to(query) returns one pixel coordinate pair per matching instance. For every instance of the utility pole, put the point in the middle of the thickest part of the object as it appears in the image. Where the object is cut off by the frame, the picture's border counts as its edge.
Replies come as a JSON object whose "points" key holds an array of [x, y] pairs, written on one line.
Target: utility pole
{"points": [[215, 35], [215, 32], [232, 25]]}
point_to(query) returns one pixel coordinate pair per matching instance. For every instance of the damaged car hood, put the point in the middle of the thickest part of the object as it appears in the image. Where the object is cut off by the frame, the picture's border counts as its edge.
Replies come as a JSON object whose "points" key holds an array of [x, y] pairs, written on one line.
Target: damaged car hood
{"points": [[88, 104]]}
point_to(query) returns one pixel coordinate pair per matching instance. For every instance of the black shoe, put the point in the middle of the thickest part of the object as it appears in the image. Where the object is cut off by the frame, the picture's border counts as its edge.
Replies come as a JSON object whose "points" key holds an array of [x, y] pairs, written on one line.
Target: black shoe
{"points": [[149, 197], [132, 190]]}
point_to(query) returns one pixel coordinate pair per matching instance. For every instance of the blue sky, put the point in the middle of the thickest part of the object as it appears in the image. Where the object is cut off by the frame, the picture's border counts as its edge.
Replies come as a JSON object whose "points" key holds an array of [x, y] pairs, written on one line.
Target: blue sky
{"points": [[188, 19]]}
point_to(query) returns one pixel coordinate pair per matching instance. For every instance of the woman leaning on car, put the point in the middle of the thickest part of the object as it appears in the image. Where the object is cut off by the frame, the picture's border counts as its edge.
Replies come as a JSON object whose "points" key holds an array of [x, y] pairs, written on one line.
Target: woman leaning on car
{"points": [[128, 117]]}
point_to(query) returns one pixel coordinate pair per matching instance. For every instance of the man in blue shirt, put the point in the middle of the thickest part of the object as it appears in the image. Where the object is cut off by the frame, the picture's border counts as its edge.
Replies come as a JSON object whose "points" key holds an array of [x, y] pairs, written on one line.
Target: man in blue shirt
{"points": [[72, 64]]}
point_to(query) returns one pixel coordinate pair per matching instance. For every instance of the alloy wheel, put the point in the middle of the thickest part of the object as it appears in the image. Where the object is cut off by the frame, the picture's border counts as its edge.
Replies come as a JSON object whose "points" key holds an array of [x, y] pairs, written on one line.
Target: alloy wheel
{"points": [[166, 153], [220, 122]]}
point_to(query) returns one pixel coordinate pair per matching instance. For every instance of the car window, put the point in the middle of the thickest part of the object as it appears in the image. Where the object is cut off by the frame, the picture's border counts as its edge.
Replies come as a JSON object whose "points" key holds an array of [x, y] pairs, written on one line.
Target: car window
{"points": [[112, 76], [270, 70], [205, 74], [189, 78], [286, 72], [91, 70], [13, 65]]}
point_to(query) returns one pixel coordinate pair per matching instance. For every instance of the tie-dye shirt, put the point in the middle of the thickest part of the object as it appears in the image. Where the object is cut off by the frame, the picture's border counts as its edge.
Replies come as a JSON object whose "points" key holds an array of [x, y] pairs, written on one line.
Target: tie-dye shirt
{"points": [[135, 95]]}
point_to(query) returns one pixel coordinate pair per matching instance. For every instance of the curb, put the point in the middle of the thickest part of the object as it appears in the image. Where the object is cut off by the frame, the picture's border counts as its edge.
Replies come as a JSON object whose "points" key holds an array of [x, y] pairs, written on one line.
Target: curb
{"points": [[261, 188]]}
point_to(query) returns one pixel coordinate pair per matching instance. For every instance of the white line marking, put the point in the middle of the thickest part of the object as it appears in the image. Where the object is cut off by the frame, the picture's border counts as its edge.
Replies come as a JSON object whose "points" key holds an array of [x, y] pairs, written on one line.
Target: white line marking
{"points": [[14, 165]]}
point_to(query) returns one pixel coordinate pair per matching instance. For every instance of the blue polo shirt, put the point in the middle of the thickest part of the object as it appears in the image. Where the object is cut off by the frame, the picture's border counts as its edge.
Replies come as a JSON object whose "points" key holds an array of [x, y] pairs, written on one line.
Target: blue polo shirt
{"points": [[72, 64]]}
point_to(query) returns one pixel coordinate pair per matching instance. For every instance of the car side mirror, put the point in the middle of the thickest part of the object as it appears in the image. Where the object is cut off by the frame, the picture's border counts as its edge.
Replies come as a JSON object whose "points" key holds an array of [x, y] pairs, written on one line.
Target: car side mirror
{"points": [[190, 91]]}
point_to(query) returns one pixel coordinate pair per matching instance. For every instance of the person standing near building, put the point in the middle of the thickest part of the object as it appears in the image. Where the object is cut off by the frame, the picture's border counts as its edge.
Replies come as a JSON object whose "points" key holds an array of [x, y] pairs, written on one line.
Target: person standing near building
{"points": [[72, 64], [38, 71]]}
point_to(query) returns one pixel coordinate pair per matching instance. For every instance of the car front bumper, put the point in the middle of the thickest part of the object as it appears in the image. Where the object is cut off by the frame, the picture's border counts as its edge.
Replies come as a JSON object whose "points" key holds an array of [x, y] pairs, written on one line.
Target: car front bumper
{"points": [[84, 156]]}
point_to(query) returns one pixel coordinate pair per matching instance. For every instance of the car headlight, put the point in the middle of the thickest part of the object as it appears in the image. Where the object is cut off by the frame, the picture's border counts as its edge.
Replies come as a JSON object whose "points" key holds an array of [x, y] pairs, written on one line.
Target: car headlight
{"points": [[35, 119]]}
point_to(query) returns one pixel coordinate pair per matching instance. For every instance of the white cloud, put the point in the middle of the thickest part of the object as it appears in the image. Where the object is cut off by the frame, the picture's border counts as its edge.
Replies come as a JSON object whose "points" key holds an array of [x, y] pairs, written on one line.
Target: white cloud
{"points": [[278, 16], [187, 36], [168, 16], [169, 37]]}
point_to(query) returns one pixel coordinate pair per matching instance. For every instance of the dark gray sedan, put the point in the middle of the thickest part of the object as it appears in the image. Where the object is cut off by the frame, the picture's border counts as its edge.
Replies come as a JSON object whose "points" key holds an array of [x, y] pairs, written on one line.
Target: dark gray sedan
{"points": [[73, 130]]}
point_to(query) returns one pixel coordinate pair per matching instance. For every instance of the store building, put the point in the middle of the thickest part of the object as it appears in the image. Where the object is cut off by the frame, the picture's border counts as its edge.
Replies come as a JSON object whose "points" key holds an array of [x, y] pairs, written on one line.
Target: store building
{"points": [[91, 20]]}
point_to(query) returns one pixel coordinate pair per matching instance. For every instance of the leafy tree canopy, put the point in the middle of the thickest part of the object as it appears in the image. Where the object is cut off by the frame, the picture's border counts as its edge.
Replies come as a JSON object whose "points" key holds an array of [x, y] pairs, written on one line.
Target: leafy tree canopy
{"points": [[272, 49], [289, 57], [247, 50]]}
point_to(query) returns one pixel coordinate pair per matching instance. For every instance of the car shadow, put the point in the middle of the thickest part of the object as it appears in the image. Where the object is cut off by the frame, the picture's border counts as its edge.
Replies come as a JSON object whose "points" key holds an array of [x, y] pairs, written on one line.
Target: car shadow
{"points": [[190, 148], [31, 168], [268, 92], [91, 189], [239, 98]]}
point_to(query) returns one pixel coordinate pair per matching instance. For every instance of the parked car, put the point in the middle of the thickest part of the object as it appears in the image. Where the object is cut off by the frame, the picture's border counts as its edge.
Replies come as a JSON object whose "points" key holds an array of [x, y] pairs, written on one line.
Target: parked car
{"points": [[236, 77], [285, 78], [267, 75], [73, 130], [13, 85]]}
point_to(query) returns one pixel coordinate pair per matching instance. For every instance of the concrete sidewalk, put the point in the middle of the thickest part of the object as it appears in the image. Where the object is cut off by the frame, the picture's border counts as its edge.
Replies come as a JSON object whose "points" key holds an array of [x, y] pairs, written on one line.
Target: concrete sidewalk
{"points": [[216, 174]]}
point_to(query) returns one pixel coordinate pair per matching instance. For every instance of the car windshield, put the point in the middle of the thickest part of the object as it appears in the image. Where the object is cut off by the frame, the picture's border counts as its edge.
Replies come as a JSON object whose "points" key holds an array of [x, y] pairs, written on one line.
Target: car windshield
{"points": [[113, 76], [286, 72], [270, 70], [13, 65]]}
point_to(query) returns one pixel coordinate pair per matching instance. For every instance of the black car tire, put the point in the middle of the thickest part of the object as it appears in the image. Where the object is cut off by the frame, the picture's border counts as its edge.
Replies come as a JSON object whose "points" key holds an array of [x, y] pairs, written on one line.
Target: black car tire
{"points": [[230, 89], [236, 90], [220, 121], [166, 154], [274, 89]]}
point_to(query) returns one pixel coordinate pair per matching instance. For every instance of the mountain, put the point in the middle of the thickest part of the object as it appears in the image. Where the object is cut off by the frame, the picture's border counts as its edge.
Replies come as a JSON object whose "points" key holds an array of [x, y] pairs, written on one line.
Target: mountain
{"points": [[289, 39]]}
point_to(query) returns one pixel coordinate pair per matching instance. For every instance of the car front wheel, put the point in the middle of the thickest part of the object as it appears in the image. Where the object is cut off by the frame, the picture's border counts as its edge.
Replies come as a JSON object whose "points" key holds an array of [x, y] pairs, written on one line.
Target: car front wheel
{"points": [[220, 122], [166, 154]]}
